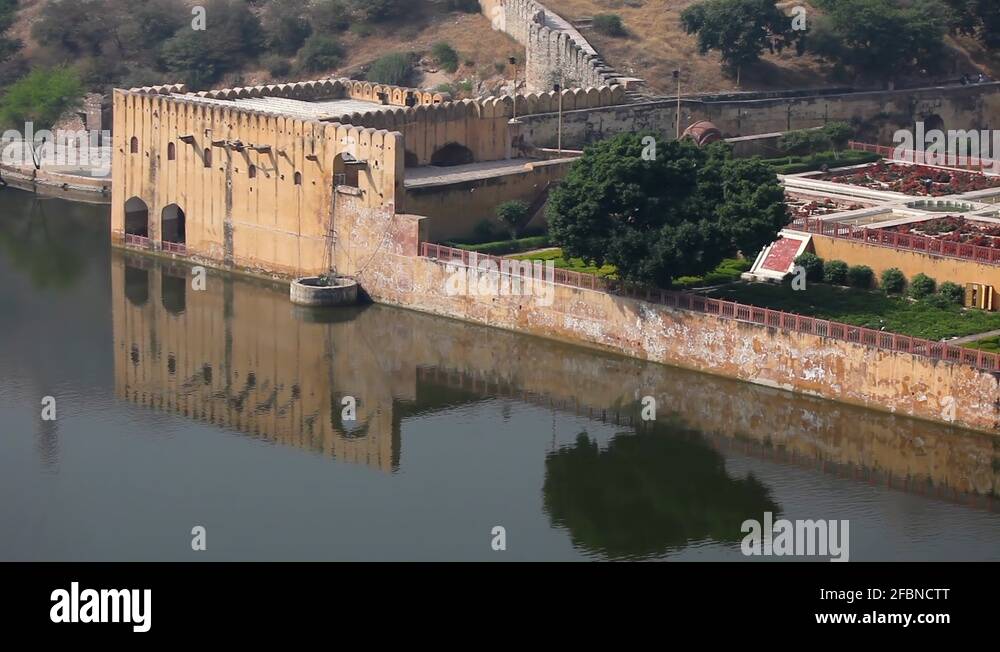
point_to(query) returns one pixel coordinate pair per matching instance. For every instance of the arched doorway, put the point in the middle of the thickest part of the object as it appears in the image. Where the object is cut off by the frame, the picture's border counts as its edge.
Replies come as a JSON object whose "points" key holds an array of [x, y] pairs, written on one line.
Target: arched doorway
{"points": [[136, 218], [452, 154], [172, 225]]}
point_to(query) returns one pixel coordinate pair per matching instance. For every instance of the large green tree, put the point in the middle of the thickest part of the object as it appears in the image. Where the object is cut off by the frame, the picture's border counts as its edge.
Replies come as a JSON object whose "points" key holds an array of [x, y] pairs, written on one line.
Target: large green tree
{"points": [[41, 98], [881, 38], [677, 215], [199, 58], [738, 29]]}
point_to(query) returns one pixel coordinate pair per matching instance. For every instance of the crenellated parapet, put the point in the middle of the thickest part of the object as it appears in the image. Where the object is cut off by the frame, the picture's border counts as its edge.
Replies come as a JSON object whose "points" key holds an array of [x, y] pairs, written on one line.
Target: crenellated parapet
{"points": [[556, 51], [313, 91], [257, 188]]}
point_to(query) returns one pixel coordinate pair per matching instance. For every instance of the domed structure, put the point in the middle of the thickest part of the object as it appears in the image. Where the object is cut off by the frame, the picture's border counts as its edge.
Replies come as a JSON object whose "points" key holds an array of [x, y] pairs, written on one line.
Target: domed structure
{"points": [[703, 133]]}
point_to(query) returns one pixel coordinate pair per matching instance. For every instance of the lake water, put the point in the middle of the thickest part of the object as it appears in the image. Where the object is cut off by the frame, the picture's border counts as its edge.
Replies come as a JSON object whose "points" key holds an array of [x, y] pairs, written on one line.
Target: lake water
{"points": [[224, 408]]}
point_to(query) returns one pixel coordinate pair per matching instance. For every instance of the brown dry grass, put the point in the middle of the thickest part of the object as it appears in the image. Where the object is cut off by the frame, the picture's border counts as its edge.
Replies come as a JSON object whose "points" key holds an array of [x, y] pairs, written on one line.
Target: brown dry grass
{"points": [[424, 24], [657, 45]]}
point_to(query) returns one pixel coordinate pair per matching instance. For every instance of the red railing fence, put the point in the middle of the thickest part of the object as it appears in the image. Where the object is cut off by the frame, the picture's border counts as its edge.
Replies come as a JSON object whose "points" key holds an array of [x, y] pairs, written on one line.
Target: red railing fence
{"points": [[921, 157], [886, 238], [142, 242]]}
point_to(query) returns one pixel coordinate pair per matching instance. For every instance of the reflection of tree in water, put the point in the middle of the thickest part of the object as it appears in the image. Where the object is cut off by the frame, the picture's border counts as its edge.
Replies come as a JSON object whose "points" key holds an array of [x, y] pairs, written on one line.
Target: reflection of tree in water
{"points": [[44, 241], [647, 493]]}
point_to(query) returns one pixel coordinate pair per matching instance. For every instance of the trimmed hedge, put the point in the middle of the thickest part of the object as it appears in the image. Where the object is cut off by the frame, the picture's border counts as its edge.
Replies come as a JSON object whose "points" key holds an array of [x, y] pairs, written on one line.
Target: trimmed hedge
{"points": [[504, 247], [861, 276], [893, 281], [835, 272], [813, 265], [922, 286]]}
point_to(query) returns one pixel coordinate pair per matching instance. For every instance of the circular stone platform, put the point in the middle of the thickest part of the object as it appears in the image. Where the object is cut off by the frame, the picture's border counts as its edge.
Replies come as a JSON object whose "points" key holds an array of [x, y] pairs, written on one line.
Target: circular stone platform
{"points": [[311, 291]]}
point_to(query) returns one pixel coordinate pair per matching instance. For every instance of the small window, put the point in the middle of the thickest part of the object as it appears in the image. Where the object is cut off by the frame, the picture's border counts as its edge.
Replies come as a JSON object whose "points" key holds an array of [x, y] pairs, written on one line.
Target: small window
{"points": [[252, 171], [208, 157], [171, 152], [298, 178], [133, 146]]}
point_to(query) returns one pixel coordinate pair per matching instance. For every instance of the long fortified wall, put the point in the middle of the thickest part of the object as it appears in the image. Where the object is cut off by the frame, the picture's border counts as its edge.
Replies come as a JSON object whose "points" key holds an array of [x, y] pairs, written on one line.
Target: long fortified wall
{"points": [[428, 121], [556, 51], [849, 372], [874, 114]]}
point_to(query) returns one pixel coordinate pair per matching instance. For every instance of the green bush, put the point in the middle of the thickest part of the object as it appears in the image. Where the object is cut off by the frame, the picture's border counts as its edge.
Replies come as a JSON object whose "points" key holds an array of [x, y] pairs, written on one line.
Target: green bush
{"points": [[952, 292], [445, 56], [813, 265], [329, 15], [505, 247], [320, 52], [809, 163], [278, 66], [835, 272], [41, 97], [922, 286], [467, 6], [513, 215], [860, 276], [364, 30], [893, 281], [484, 231], [394, 69], [609, 24]]}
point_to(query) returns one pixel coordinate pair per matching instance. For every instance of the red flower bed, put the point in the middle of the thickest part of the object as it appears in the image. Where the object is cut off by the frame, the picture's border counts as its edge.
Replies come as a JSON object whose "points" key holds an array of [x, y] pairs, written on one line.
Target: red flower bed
{"points": [[952, 228], [914, 179]]}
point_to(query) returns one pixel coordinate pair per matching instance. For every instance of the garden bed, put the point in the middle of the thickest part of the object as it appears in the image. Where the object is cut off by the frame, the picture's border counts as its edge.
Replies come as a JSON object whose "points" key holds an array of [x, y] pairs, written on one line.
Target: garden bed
{"points": [[871, 309], [953, 228], [728, 271], [913, 179], [799, 207]]}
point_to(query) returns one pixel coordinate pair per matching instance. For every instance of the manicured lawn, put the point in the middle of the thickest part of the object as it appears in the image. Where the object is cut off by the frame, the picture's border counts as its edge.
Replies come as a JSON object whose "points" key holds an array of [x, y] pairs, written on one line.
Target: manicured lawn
{"points": [[991, 344], [728, 271], [865, 308], [573, 264]]}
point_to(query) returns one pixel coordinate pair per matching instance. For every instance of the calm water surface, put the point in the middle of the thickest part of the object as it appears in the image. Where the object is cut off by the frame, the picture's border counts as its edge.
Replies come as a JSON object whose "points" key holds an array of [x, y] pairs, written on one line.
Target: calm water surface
{"points": [[222, 408]]}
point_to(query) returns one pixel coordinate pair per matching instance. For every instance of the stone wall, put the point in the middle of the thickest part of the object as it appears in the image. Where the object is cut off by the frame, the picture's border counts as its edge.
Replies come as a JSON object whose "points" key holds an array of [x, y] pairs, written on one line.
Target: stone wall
{"points": [[851, 373], [556, 51], [911, 263], [479, 125], [457, 208], [255, 208], [279, 377], [876, 115]]}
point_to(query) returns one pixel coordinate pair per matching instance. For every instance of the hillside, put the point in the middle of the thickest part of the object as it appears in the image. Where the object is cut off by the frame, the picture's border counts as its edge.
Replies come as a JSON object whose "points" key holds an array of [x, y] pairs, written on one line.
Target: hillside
{"points": [[482, 51], [656, 44]]}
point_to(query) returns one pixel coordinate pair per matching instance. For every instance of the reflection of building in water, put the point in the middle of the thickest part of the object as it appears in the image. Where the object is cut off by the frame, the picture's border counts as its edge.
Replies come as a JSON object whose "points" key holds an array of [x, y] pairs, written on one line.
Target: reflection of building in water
{"points": [[238, 355], [241, 359]]}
